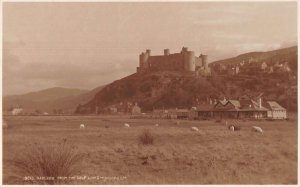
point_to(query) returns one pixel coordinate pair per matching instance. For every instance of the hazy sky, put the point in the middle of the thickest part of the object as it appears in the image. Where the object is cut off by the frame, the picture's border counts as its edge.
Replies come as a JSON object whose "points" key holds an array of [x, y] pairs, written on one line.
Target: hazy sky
{"points": [[85, 45]]}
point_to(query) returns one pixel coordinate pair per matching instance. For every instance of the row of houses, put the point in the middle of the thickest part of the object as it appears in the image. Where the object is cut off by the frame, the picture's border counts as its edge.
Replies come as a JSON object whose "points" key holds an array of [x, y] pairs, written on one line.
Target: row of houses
{"points": [[238, 109], [250, 68]]}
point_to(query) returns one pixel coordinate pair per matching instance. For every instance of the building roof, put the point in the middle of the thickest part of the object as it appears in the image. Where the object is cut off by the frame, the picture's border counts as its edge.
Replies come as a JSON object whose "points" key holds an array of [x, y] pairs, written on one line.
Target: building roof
{"points": [[273, 105], [235, 103], [251, 105], [223, 102]]}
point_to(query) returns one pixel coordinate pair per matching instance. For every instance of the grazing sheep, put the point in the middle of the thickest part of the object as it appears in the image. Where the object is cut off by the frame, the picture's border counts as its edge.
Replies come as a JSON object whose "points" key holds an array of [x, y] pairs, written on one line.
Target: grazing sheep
{"points": [[233, 128], [82, 126], [126, 125], [257, 129], [194, 129], [156, 125]]}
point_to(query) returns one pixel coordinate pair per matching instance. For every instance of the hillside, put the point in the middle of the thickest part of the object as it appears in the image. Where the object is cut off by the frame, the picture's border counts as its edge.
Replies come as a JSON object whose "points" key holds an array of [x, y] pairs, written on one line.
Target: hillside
{"points": [[65, 99], [270, 57], [166, 89]]}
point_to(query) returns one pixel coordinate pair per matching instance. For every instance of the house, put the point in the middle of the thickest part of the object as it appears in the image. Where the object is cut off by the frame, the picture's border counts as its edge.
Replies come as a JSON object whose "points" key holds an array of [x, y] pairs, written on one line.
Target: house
{"points": [[159, 113], [203, 111], [226, 109], [171, 113], [182, 113], [264, 66], [244, 108], [136, 109], [17, 111], [252, 109], [275, 110]]}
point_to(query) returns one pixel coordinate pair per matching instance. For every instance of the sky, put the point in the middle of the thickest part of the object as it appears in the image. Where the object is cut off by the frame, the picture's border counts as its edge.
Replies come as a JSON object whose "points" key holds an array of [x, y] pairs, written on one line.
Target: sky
{"points": [[86, 45]]}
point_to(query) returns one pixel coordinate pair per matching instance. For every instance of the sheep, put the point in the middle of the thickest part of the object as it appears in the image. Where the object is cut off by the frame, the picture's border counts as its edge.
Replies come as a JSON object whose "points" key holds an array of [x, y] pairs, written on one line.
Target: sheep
{"points": [[233, 128], [257, 129], [126, 125], [82, 126], [156, 125], [195, 129]]}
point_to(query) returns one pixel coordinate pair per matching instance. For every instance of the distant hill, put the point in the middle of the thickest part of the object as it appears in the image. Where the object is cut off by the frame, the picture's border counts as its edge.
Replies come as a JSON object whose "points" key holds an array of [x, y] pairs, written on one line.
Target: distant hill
{"points": [[166, 89], [66, 99]]}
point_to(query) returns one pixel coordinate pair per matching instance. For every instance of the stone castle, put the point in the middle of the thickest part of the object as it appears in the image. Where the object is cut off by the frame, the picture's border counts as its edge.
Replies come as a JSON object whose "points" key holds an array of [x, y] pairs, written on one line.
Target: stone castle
{"points": [[185, 61]]}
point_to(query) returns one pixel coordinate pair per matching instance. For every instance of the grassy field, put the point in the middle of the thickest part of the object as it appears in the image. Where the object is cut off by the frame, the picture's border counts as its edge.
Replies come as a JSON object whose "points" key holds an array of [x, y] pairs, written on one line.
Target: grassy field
{"points": [[178, 155]]}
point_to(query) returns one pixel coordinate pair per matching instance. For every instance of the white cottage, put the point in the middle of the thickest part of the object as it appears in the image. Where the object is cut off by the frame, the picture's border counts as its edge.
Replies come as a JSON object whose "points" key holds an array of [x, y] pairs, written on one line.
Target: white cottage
{"points": [[17, 111], [275, 110]]}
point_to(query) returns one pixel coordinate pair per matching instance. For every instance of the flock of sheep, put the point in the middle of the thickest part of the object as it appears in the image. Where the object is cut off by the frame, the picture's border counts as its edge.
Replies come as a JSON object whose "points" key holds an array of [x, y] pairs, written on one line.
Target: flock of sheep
{"points": [[126, 125], [230, 127]]}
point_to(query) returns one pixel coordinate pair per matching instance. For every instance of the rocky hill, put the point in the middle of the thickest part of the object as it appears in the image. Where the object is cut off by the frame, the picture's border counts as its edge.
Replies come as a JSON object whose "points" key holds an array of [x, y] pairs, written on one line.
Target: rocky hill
{"points": [[166, 89]]}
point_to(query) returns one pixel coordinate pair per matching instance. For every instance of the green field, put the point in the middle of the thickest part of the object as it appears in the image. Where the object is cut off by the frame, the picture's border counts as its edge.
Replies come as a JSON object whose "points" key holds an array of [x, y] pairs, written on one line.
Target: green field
{"points": [[178, 155]]}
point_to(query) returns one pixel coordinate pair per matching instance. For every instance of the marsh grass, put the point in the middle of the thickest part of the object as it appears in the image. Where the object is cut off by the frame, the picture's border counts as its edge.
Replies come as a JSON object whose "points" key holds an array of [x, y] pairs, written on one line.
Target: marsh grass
{"points": [[146, 137], [59, 160]]}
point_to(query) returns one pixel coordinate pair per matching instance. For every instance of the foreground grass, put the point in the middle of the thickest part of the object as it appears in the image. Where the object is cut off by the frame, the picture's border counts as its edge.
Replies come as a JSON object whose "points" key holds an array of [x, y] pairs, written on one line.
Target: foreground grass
{"points": [[47, 164], [176, 156]]}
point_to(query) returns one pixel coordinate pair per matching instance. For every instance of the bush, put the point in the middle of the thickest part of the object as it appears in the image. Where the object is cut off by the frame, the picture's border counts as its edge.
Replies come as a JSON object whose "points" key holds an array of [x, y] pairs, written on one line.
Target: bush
{"points": [[146, 138], [51, 162]]}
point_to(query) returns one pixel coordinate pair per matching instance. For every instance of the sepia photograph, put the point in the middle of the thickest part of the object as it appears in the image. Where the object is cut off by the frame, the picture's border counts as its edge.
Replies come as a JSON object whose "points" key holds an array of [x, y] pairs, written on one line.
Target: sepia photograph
{"points": [[150, 93]]}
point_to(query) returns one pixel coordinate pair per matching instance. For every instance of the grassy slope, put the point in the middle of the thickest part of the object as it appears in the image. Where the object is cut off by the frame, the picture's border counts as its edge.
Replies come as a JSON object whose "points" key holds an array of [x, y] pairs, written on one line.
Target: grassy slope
{"points": [[178, 155]]}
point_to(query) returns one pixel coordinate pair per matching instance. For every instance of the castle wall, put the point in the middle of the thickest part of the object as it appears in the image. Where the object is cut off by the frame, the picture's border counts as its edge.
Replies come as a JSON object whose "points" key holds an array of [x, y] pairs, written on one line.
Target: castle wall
{"points": [[169, 62], [183, 61], [198, 62]]}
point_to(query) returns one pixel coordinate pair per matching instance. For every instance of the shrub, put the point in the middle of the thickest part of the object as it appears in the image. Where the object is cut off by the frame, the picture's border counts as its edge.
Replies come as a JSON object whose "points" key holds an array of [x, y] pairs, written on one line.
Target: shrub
{"points": [[59, 160], [146, 137]]}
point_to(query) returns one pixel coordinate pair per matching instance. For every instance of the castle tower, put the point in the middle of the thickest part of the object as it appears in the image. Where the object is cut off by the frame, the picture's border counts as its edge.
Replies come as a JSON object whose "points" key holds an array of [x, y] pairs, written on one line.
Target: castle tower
{"points": [[148, 51], [184, 50], [166, 52], [204, 61], [143, 60], [189, 61]]}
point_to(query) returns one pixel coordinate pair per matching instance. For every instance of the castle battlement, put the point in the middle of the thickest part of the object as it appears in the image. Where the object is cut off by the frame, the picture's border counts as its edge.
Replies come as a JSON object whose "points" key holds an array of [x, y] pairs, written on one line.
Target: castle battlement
{"points": [[183, 61]]}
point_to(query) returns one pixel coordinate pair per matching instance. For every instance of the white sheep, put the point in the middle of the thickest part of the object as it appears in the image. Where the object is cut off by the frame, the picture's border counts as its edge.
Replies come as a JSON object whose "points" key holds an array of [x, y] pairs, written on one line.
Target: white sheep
{"points": [[126, 125], [194, 129], [82, 126], [257, 129], [156, 125]]}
